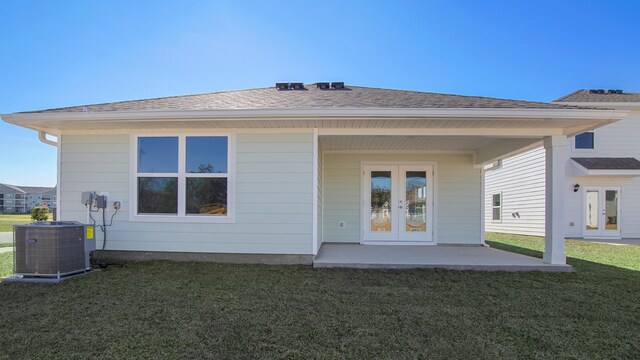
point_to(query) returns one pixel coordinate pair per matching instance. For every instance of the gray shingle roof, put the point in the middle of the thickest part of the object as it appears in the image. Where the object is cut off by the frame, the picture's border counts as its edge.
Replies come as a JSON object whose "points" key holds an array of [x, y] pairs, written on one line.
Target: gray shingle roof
{"points": [[311, 98], [36, 189], [588, 96], [608, 163], [27, 189], [6, 188]]}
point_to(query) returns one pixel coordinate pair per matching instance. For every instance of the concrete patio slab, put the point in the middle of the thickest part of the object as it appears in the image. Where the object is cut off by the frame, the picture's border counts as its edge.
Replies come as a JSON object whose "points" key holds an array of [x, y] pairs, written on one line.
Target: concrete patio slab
{"points": [[479, 258]]}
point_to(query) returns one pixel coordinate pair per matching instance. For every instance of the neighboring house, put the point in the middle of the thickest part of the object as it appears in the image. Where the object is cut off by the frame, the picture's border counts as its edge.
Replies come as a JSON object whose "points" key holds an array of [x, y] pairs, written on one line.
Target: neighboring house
{"points": [[21, 199], [602, 183], [281, 172]]}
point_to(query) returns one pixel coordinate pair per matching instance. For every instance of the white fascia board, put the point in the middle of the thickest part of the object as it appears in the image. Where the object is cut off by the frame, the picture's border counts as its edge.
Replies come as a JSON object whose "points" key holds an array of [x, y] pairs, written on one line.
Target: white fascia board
{"points": [[305, 114]]}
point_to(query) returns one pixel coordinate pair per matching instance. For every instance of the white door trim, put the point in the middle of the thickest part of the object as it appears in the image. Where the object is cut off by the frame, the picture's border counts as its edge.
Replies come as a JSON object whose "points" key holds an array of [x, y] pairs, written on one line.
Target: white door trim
{"points": [[602, 232], [364, 215]]}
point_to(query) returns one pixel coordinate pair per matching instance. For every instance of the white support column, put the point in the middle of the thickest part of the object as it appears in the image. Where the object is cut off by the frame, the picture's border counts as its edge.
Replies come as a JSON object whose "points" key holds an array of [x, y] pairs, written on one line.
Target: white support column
{"points": [[314, 211], [482, 208], [556, 157]]}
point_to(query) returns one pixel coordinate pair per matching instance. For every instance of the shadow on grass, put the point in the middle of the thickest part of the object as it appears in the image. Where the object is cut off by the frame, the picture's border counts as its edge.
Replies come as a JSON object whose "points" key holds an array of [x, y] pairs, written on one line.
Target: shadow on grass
{"points": [[580, 265], [515, 249]]}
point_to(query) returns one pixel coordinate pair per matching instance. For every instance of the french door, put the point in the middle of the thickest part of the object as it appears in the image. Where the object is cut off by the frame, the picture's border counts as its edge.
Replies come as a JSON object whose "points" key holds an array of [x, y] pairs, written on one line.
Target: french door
{"points": [[398, 203], [601, 212]]}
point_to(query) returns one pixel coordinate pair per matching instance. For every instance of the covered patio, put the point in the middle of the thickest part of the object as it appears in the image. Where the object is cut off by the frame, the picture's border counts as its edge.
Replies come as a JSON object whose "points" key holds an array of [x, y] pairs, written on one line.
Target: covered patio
{"points": [[451, 257], [412, 195]]}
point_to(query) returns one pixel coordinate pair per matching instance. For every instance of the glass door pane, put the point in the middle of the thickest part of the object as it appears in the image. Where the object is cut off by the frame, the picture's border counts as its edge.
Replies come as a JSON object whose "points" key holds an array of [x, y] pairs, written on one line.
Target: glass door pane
{"points": [[611, 210], [592, 210], [416, 201], [381, 187]]}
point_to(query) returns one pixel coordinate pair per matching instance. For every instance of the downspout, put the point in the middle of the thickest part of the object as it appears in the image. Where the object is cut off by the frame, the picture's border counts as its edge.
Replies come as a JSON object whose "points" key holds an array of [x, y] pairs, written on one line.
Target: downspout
{"points": [[495, 166], [43, 138]]}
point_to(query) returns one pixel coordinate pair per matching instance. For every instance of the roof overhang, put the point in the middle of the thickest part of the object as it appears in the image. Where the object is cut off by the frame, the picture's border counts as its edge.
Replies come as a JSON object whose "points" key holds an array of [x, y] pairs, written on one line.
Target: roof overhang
{"points": [[566, 121], [579, 170]]}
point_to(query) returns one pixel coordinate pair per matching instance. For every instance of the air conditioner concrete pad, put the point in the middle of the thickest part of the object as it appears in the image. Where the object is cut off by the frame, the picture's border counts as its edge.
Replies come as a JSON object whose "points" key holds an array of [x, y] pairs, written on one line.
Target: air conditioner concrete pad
{"points": [[44, 280]]}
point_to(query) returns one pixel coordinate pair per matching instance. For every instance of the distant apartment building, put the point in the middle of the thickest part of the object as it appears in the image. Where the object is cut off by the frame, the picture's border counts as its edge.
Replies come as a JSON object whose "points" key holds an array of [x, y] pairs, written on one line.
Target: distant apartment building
{"points": [[21, 199]]}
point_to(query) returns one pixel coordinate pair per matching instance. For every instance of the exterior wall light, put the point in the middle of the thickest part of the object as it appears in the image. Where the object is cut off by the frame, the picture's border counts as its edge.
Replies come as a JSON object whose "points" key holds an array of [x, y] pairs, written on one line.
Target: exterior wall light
{"points": [[576, 187]]}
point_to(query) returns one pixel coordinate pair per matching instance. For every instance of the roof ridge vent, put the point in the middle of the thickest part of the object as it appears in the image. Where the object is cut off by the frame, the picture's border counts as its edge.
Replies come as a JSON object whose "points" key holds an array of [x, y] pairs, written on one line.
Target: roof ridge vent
{"points": [[337, 85], [290, 86], [323, 85], [602, 91]]}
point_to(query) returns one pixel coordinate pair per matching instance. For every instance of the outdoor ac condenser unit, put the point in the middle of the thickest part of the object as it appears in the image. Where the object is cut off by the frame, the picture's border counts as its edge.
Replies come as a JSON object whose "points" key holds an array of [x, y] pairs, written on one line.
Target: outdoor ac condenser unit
{"points": [[52, 248]]}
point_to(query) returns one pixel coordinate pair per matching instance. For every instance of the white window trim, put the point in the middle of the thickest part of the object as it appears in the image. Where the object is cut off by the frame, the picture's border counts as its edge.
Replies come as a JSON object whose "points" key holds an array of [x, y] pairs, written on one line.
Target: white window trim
{"points": [[181, 217], [364, 185], [496, 207]]}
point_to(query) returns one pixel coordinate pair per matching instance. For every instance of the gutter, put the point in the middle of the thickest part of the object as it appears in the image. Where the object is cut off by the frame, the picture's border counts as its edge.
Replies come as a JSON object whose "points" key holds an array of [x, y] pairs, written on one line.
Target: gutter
{"points": [[305, 114]]}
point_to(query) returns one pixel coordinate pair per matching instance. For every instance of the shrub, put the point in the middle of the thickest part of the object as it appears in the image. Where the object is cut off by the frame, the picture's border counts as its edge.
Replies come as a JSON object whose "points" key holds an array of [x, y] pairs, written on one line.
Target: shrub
{"points": [[40, 213]]}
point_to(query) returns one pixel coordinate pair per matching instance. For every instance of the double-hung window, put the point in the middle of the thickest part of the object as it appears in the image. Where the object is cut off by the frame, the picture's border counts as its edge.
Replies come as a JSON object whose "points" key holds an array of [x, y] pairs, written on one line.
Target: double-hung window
{"points": [[496, 206], [183, 178]]}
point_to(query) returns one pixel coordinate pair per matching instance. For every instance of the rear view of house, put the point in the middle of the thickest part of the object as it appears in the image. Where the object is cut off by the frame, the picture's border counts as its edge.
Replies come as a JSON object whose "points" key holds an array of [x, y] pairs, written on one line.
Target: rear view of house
{"points": [[279, 174], [602, 182]]}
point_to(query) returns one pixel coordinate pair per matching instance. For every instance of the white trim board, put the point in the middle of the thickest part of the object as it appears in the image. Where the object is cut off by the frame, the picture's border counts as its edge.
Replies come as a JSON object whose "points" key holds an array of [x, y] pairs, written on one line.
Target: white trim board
{"points": [[178, 218], [363, 185], [293, 113], [314, 181], [191, 131], [398, 152]]}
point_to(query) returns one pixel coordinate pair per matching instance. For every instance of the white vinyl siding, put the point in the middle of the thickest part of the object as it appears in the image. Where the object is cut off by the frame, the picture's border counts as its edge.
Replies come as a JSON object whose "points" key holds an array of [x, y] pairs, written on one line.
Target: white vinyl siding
{"points": [[629, 203], [619, 139], [457, 196], [273, 196], [520, 181]]}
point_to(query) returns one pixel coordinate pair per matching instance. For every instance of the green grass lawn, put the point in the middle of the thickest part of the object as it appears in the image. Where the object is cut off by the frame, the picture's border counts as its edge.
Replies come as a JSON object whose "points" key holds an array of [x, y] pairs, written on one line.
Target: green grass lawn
{"points": [[6, 267], [195, 310], [7, 221]]}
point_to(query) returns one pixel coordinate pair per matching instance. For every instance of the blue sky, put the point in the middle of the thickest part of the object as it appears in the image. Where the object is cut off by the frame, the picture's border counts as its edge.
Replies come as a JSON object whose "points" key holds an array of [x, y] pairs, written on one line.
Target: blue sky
{"points": [[59, 53]]}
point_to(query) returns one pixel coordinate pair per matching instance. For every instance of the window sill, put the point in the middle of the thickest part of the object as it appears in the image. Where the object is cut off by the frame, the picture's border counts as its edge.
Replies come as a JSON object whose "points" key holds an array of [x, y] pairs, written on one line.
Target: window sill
{"points": [[184, 219]]}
